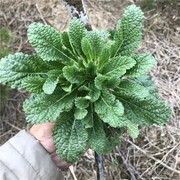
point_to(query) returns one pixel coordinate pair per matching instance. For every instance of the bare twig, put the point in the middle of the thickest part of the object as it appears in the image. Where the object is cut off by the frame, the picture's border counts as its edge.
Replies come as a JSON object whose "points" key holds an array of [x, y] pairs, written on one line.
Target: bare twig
{"points": [[133, 172], [155, 159], [72, 172], [76, 8], [42, 17], [12, 125]]}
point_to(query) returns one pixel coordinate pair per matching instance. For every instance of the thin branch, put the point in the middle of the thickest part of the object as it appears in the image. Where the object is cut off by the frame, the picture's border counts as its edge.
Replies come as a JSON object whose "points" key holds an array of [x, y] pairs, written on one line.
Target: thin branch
{"points": [[76, 8], [155, 159], [72, 172], [133, 172], [42, 17]]}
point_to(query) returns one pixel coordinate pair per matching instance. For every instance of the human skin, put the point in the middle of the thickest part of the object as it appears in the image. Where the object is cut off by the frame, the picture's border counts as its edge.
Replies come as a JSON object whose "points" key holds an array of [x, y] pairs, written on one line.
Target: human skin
{"points": [[43, 133]]}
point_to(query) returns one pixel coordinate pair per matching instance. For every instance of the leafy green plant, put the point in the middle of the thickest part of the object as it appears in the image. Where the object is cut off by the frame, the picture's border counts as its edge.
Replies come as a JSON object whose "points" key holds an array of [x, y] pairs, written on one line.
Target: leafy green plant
{"points": [[93, 86], [6, 38]]}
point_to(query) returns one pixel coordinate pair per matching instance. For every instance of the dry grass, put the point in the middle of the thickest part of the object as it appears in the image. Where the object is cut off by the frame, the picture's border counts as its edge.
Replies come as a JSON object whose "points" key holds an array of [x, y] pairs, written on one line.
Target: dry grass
{"points": [[156, 153]]}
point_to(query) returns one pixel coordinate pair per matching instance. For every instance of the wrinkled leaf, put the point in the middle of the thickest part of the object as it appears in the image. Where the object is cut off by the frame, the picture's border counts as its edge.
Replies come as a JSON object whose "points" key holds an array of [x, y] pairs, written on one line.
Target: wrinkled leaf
{"points": [[144, 63], [47, 42], [110, 110], [69, 137], [14, 69], [44, 108]]}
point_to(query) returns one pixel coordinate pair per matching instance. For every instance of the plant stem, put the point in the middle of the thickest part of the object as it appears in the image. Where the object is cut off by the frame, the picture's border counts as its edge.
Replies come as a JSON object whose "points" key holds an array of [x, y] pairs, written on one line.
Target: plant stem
{"points": [[100, 166]]}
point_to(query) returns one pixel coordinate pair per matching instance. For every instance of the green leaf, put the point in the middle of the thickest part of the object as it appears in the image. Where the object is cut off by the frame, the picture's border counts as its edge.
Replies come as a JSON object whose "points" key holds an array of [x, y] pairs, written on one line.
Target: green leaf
{"points": [[105, 35], [144, 63], [34, 84], [67, 88], [102, 138], [50, 85], [76, 33], [47, 42], [131, 89], [117, 66], [65, 41], [100, 81], [55, 65], [128, 33], [67, 44], [147, 83], [104, 57], [42, 108], [73, 74], [88, 120], [103, 82], [112, 138], [69, 137], [145, 111], [55, 73], [110, 110], [52, 81], [82, 102], [87, 48], [115, 45], [132, 129], [91, 71], [94, 93], [14, 69], [111, 33], [83, 88], [80, 113], [97, 137], [92, 45]]}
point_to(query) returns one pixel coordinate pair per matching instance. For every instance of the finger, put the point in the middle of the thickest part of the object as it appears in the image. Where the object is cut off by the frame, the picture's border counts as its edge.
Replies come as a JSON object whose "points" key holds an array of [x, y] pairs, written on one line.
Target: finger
{"points": [[43, 133], [63, 165]]}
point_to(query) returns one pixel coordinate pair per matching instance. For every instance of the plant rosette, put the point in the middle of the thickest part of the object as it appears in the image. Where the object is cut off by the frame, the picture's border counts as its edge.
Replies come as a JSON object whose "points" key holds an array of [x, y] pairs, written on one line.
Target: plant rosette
{"points": [[90, 82]]}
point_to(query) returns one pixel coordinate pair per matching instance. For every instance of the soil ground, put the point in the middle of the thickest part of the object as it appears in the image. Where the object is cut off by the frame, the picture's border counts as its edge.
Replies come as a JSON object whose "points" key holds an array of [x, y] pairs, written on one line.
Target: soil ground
{"points": [[155, 154]]}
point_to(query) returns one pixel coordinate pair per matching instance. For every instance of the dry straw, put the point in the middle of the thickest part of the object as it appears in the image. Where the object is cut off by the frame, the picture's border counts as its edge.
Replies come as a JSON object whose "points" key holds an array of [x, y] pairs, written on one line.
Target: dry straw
{"points": [[156, 153]]}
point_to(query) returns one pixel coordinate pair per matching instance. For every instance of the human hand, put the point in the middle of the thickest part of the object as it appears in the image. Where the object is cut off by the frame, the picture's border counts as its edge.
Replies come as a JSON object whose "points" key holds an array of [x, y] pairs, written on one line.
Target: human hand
{"points": [[43, 133]]}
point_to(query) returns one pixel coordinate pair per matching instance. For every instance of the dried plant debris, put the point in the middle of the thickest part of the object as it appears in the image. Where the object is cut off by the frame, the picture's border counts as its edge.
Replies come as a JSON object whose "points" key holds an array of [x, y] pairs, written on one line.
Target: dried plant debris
{"points": [[160, 38]]}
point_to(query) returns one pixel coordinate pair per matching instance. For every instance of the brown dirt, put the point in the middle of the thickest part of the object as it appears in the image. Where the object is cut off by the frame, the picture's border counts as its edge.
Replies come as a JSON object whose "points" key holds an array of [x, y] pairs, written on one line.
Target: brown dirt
{"points": [[156, 153]]}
